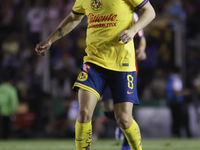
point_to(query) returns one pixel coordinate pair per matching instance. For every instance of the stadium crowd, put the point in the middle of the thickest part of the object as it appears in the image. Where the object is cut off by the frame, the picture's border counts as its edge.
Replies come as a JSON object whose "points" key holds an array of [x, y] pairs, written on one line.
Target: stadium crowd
{"points": [[22, 26]]}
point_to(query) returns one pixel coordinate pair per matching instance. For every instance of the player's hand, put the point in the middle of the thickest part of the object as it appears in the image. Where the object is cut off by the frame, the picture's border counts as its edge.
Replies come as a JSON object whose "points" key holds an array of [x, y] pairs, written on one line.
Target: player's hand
{"points": [[42, 47], [126, 36], [141, 55]]}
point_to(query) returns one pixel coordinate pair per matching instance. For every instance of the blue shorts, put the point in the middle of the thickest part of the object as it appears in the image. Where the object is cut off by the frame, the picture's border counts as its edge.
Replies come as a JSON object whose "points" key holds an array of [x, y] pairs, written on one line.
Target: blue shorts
{"points": [[123, 85]]}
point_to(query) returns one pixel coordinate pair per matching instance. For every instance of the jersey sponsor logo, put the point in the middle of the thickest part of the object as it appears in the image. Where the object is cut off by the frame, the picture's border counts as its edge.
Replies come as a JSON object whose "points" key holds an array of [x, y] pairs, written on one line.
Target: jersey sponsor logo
{"points": [[82, 76], [128, 92], [86, 68], [112, 18], [103, 25], [98, 18], [96, 4]]}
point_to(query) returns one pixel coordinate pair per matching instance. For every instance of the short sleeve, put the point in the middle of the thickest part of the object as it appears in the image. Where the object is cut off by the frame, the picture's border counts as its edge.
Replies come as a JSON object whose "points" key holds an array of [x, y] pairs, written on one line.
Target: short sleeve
{"points": [[78, 7], [138, 3]]}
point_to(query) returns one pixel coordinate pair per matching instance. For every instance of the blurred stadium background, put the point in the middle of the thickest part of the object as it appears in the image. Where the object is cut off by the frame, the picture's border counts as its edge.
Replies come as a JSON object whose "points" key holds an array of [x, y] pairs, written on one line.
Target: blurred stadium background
{"points": [[47, 106]]}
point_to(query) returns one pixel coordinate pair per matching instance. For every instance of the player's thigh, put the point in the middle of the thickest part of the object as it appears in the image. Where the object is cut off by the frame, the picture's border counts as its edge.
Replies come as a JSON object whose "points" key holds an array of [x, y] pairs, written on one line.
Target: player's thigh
{"points": [[123, 110], [87, 103], [123, 114]]}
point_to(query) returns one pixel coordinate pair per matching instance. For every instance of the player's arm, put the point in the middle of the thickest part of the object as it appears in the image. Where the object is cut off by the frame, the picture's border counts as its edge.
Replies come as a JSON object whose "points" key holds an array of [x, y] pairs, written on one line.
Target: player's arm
{"points": [[148, 14], [141, 55], [67, 25]]}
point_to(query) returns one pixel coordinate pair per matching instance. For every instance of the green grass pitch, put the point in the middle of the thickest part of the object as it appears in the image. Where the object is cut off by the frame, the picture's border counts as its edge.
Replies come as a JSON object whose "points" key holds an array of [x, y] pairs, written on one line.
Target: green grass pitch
{"points": [[102, 144]]}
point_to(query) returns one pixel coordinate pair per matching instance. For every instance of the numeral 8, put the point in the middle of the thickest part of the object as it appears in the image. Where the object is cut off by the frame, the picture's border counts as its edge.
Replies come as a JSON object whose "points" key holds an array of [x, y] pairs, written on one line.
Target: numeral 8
{"points": [[130, 81]]}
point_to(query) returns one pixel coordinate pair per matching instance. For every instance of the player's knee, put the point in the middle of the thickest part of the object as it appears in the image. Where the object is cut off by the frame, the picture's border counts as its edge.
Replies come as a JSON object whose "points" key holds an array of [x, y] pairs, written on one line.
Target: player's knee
{"points": [[123, 121], [84, 116]]}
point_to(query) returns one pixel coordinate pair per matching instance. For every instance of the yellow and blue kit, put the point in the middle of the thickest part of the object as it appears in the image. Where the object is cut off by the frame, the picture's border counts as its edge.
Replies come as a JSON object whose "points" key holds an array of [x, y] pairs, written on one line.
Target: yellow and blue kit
{"points": [[106, 19]]}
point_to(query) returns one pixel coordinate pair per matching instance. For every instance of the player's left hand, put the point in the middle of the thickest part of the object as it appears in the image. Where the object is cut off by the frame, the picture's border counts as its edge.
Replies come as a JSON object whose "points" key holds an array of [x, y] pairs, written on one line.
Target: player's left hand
{"points": [[126, 36]]}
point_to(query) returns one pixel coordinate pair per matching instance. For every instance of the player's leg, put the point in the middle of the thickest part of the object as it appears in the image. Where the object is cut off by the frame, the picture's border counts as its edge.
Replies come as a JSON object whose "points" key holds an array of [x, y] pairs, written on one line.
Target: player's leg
{"points": [[83, 129], [123, 114], [108, 109], [124, 88], [90, 85]]}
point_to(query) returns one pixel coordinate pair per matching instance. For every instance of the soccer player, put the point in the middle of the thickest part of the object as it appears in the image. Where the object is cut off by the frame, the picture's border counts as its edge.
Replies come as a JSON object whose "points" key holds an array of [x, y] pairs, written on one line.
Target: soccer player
{"points": [[109, 61], [107, 100]]}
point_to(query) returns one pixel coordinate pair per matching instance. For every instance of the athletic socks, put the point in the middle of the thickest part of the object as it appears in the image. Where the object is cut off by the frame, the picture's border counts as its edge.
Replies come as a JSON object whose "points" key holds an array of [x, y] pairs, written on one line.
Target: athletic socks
{"points": [[133, 136], [83, 135]]}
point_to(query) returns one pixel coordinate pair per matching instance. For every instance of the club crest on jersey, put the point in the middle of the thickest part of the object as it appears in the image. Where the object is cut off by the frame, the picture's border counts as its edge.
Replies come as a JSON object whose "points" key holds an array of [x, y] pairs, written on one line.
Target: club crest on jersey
{"points": [[82, 76], [96, 4]]}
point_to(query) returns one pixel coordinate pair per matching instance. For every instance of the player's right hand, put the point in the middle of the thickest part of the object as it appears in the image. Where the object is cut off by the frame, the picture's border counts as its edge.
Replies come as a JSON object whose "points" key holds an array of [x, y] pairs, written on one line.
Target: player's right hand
{"points": [[42, 47]]}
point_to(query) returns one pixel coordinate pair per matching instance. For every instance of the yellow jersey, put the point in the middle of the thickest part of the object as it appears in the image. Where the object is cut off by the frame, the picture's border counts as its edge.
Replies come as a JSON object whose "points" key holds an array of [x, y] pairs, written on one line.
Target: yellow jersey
{"points": [[106, 19]]}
